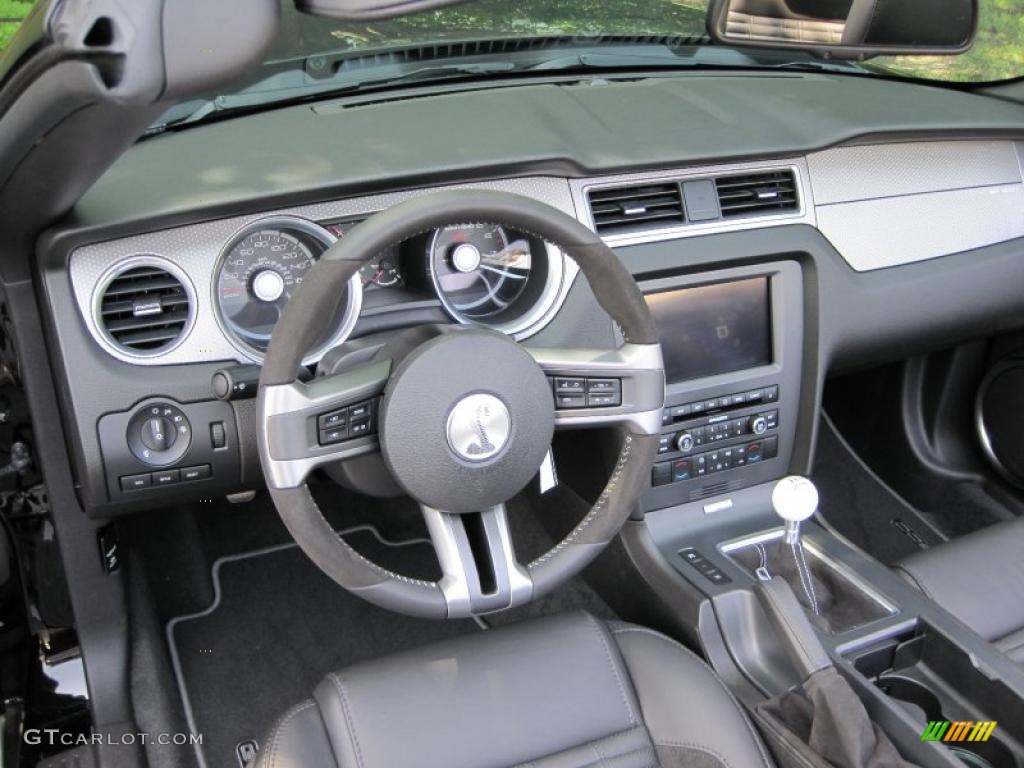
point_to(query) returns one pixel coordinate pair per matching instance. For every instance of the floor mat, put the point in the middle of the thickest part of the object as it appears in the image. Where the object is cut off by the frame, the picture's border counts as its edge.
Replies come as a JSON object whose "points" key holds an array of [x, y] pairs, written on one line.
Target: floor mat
{"points": [[861, 507], [277, 626]]}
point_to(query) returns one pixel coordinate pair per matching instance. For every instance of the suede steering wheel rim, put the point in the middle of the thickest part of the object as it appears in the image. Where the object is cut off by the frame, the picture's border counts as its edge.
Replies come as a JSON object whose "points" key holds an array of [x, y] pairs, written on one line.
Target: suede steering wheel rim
{"points": [[474, 376]]}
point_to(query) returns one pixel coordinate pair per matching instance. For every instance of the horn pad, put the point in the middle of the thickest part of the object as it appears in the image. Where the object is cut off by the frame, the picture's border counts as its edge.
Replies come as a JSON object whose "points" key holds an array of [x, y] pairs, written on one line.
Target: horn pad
{"points": [[466, 420]]}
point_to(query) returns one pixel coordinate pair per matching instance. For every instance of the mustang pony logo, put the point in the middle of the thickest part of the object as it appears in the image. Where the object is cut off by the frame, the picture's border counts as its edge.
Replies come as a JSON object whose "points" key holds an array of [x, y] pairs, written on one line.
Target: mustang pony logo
{"points": [[484, 445], [959, 730]]}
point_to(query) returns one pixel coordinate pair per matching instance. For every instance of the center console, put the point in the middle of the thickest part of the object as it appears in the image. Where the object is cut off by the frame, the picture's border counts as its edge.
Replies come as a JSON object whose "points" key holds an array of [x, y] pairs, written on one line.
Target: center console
{"points": [[732, 344]]}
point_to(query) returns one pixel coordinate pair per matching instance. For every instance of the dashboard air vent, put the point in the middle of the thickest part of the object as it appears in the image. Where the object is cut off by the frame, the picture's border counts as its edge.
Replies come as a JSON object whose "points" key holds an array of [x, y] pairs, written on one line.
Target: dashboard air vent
{"points": [[144, 310], [635, 209], [757, 194]]}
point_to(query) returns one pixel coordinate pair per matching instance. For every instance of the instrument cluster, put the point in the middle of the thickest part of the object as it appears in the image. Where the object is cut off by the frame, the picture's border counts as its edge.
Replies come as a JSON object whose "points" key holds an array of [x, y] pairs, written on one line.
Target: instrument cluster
{"points": [[480, 273]]}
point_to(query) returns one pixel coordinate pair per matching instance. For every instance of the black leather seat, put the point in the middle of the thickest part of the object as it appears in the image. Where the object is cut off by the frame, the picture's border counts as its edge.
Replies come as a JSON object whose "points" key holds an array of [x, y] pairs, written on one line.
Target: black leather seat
{"points": [[979, 578], [561, 692]]}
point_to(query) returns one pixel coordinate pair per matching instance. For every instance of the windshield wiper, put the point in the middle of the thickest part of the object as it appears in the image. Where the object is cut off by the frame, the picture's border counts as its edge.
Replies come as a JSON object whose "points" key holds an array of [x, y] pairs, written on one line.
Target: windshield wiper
{"points": [[257, 97]]}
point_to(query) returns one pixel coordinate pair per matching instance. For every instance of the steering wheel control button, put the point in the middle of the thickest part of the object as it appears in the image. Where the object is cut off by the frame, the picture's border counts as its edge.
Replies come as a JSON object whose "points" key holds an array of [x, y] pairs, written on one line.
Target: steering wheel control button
{"points": [[573, 392], [159, 434], [604, 393], [570, 401], [346, 423], [135, 482], [333, 419], [478, 427], [570, 386]]}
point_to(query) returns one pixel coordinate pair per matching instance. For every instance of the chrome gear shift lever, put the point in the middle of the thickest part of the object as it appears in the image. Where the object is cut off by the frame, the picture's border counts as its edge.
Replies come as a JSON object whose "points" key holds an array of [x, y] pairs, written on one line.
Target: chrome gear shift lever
{"points": [[794, 499]]}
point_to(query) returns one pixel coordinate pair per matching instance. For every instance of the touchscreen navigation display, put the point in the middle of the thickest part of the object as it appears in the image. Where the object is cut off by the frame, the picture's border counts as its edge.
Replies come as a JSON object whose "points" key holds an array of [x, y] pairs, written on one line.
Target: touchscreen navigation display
{"points": [[712, 329]]}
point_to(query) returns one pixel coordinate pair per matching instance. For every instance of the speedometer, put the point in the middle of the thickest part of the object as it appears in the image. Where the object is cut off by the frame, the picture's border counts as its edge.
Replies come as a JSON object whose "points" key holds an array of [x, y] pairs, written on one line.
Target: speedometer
{"points": [[258, 278], [258, 274]]}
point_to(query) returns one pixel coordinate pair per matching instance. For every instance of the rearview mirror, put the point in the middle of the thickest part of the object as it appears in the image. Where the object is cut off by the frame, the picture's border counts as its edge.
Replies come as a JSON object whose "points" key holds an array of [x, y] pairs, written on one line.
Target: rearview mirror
{"points": [[847, 29]]}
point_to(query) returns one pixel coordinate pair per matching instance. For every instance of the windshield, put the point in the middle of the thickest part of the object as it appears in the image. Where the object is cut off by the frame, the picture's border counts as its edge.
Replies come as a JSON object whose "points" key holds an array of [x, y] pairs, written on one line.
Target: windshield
{"points": [[314, 56], [998, 52]]}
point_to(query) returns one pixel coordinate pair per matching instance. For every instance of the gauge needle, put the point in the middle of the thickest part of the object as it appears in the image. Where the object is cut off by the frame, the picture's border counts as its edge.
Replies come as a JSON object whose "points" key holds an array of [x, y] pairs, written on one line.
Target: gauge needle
{"points": [[512, 255]]}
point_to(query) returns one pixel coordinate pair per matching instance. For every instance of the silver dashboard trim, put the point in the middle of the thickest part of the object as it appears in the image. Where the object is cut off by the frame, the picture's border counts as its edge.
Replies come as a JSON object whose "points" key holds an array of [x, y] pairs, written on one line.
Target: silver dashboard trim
{"points": [[885, 205], [805, 214], [194, 249]]}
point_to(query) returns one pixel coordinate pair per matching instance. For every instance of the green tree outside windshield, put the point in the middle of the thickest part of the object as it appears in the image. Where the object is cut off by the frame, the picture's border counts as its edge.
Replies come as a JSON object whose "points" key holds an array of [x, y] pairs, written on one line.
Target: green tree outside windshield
{"points": [[998, 52]]}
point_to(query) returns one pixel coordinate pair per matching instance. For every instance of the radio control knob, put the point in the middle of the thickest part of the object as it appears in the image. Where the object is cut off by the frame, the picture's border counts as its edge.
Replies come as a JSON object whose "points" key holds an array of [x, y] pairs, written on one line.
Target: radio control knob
{"points": [[684, 442], [757, 425]]}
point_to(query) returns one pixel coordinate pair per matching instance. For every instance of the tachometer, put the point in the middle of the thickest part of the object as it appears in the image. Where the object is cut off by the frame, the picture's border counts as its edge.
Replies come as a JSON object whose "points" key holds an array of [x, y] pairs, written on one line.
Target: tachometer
{"points": [[479, 270], [259, 272]]}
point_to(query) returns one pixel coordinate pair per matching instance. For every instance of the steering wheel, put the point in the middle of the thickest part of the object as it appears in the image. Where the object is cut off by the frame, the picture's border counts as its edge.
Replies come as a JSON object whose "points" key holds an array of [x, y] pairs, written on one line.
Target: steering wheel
{"points": [[464, 420]]}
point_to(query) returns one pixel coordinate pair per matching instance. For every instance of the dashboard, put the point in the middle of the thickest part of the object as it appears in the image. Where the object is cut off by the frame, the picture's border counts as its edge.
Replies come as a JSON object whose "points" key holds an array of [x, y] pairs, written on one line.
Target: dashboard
{"points": [[766, 272]]}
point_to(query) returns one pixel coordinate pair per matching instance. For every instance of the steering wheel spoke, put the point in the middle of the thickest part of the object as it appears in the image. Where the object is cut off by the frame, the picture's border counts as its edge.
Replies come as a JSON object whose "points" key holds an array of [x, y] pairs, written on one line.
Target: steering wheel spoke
{"points": [[600, 388], [328, 419], [479, 569]]}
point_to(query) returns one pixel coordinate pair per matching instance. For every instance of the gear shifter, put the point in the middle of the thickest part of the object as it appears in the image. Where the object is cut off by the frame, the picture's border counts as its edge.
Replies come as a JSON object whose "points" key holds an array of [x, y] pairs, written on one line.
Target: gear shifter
{"points": [[794, 499]]}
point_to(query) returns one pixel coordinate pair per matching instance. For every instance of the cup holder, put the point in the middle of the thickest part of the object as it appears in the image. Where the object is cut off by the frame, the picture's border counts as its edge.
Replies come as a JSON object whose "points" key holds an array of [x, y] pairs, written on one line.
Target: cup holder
{"points": [[912, 692], [983, 754]]}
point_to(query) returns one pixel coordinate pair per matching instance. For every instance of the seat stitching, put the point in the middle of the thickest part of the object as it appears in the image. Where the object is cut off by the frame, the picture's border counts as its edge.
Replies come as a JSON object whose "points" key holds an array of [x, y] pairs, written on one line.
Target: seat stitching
{"points": [[350, 723], [615, 672], [1011, 647], [275, 739], [918, 579], [694, 745], [717, 679], [805, 575]]}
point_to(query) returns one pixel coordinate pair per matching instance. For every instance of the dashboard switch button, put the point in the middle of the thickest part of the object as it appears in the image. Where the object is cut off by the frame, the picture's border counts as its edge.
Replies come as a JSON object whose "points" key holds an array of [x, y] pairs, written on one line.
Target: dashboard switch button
{"points": [[135, 482], [166, 477], [218, 435], [200, 472]]}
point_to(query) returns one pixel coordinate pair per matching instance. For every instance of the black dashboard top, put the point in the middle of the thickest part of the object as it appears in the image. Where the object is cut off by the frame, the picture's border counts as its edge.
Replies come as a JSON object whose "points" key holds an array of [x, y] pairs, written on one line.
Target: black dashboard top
{"points": [[570, 128]]}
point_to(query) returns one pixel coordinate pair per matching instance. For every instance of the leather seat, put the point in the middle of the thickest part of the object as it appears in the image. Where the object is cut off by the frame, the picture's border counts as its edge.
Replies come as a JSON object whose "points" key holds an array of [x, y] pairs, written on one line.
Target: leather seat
{"points": [[979, 578], [561, 692]]}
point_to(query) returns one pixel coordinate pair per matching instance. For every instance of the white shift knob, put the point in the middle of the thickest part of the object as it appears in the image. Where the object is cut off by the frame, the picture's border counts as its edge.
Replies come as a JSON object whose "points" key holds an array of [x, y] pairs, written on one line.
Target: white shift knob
{"points": [[795, 499]]}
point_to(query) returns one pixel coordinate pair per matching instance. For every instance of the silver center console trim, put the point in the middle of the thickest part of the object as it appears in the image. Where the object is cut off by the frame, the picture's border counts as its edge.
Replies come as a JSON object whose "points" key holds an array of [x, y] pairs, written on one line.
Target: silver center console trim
{"points": [[808, 543]]}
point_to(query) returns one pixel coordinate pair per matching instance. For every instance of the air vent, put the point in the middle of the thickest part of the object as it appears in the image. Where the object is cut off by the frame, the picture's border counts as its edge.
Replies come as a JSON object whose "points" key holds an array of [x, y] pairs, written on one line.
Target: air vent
{"points": [[145, 310], [636, 209], [757, 194]]}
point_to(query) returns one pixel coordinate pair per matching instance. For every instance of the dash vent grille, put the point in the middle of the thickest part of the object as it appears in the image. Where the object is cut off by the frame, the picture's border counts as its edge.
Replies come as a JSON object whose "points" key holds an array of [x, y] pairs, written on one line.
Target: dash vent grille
{"points": [[756, 194], [637, 208], [145, 310]]}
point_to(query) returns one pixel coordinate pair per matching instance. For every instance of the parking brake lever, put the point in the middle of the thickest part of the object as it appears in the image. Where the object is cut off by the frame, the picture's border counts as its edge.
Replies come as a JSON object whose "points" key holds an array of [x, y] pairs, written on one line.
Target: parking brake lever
{"points": [[792, 627]]}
